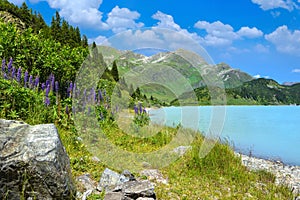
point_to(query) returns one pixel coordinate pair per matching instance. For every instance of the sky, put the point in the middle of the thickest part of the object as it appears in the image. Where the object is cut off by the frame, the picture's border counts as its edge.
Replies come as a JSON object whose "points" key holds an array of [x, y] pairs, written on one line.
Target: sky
{"points": [[259, 37]]}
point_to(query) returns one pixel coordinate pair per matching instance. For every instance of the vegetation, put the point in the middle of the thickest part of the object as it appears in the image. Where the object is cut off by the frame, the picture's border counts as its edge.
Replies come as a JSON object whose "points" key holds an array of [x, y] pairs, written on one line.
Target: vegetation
{"points": [[37, 86]]}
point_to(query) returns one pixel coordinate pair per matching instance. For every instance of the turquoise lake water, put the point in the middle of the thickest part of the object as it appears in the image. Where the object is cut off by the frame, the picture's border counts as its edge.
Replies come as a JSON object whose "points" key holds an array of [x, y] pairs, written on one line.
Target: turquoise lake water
{"points": [[271, 132]]}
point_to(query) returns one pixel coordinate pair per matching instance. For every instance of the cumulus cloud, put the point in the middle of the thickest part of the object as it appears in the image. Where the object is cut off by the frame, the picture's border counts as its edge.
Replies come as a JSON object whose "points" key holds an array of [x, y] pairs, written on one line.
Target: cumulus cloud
{"points": [[121, 19], [250, 32], [296, 70], [285, 40], [165, 21], [272, 4], [83, 13], [219, 34]]}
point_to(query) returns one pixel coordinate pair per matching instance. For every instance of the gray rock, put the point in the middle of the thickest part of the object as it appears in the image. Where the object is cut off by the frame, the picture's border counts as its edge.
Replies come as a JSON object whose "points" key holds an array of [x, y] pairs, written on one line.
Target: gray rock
{"points": [[114, 196], [136, 189], [33, 163], [154, 174], [112, 181], [86, 182]]}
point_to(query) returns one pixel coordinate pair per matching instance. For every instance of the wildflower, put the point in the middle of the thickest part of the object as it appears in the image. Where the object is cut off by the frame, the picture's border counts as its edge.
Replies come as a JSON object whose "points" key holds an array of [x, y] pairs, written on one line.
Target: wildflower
{"points": [[3, 65], [47, 83], [100, 95], [52, 81], [36, 82], [140, 108], [136, 110], [9, 66], [47, 91], [47, 101], [43, 86], [30, 81], [13, 72], [5, 76], [19, 74], [70, 89], [25, 78], [56, 86]]}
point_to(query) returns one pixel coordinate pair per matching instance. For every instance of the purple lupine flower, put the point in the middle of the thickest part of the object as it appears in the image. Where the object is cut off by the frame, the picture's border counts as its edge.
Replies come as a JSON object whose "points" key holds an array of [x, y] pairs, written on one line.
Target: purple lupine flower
{"points": [[136, 110], [144, 111], [19, 74], [52, 81], [3, 65], [9, 66], [100, 95], [13, 72], [47, 101], [70, 89], [56, 86], [5, 76], [47, 90], [43, 86], [47, 82], [25, 78], [30, 81], [140, 108], [36, 82]]}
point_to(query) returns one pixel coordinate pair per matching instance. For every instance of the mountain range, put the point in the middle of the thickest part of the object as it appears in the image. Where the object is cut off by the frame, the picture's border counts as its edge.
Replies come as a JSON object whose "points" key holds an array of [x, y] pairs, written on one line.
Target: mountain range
{"points": [[175, 70]]}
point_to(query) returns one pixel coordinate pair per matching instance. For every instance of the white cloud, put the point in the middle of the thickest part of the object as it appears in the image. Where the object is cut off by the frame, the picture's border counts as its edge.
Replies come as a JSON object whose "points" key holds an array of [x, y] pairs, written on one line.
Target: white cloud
{"points": [[260, 76], [272, 4], [121, 19], [98, 40], [257, 76], [219, 34], [250, 32], [261, 48], [165, 21], [296, 70], [83, 13], [285, 40]]}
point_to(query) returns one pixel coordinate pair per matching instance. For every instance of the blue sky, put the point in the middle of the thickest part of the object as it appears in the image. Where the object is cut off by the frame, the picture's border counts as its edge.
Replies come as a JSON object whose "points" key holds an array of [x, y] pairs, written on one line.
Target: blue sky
{"points": [[260, 37]]}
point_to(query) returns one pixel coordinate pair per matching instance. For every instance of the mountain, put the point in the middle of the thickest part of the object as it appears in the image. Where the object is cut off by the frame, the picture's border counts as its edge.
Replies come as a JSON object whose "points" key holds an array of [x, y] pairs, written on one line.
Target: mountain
{"points": [[188, 64], [267, 91]]}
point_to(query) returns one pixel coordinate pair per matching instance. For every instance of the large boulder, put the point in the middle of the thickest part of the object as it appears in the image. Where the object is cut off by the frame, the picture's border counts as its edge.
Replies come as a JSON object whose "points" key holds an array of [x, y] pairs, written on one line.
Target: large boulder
{"points": [[33, 163]]}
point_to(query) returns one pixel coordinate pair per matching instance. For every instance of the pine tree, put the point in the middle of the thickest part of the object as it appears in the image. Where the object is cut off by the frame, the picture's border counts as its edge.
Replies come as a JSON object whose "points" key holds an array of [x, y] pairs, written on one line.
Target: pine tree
{"points": [[115, 72]]}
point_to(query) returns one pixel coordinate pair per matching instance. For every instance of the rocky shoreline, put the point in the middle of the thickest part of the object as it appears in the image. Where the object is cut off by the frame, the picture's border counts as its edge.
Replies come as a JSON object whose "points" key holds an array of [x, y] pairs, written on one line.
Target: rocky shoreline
{"points": [[285, 174]]}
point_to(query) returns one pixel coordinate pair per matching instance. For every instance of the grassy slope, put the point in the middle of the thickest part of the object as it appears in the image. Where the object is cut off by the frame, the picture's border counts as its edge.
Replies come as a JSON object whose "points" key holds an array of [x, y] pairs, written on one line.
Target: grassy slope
{"points": [[219, 175]]}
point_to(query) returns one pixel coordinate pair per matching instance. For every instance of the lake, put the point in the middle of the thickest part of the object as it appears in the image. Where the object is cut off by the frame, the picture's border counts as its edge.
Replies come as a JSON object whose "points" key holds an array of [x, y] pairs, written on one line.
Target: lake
{"points": [[270, 132]]}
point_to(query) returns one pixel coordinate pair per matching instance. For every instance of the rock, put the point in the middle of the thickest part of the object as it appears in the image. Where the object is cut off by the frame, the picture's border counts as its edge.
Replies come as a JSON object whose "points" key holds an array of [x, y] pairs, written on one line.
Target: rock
{"points": [[285, 174], [154, 174], [111, 180], [124, 186], [136, 189], [33, 163], [87, 184], [114, 196]]}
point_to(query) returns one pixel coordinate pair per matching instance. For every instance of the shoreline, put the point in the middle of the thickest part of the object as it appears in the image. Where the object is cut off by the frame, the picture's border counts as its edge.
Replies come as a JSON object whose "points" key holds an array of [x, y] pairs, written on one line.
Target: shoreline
{"points": [[285, 174]]}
